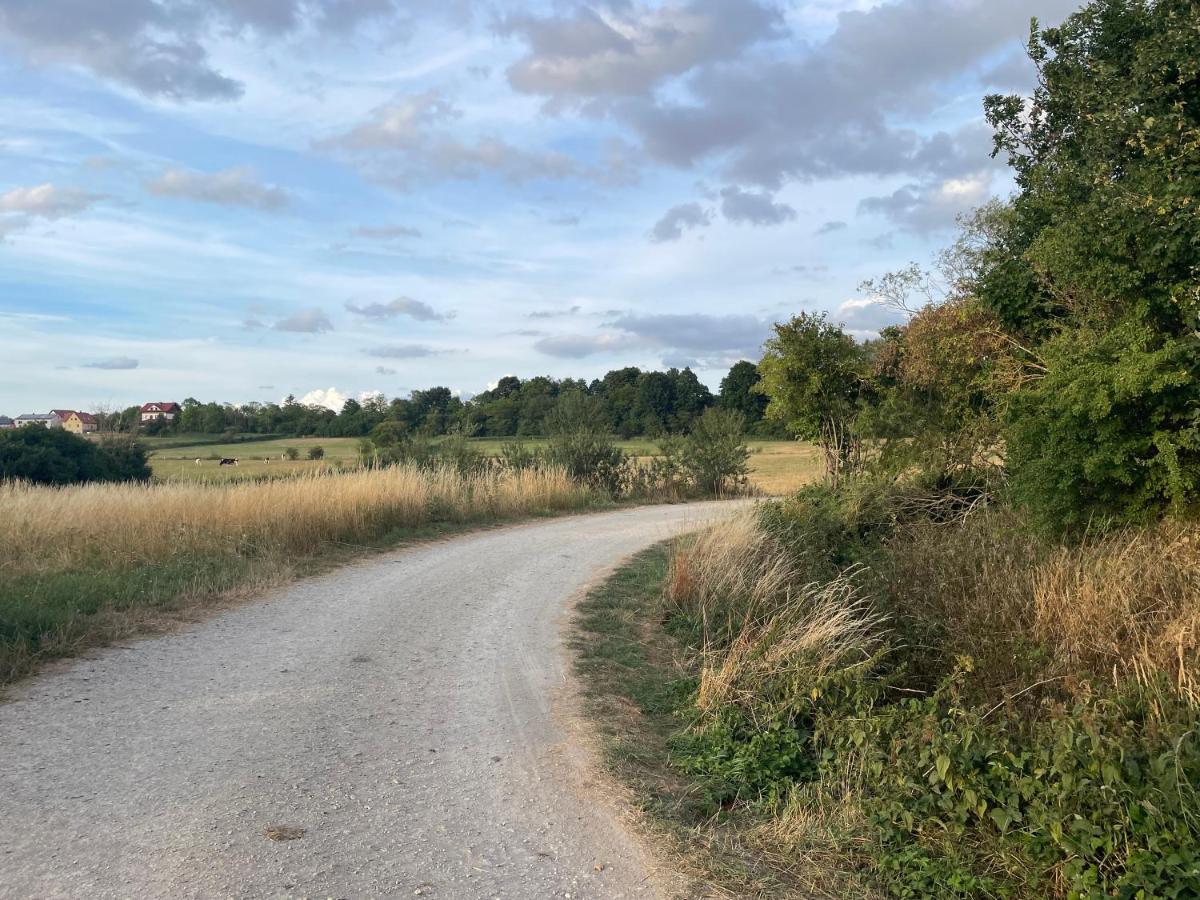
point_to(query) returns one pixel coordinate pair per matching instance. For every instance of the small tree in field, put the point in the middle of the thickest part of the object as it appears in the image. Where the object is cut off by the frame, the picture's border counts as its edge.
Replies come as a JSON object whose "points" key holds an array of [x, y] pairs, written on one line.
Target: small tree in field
{"points": [[715, 453], [812, 374], [315, 453], [291, 453], [580, 443]]}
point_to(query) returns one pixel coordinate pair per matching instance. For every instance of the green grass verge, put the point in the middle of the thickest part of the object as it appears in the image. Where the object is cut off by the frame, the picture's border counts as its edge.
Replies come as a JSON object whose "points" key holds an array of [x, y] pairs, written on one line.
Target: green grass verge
{"points": [[638, 674]]}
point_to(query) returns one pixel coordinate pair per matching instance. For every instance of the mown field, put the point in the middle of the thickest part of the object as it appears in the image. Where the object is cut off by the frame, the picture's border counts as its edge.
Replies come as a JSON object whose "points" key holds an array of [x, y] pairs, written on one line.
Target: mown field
{"points": [[776, 467]]}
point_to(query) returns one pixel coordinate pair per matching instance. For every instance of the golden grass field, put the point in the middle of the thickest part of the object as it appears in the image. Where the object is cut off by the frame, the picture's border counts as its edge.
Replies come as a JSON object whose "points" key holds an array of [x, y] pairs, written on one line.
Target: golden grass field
{"points": [[776, 467], [87, 564], [118, 525]]}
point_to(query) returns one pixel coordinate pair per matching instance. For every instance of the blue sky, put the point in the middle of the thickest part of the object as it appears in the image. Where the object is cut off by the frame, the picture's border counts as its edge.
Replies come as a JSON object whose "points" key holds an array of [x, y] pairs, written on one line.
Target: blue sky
{"points": [[243, 199]]}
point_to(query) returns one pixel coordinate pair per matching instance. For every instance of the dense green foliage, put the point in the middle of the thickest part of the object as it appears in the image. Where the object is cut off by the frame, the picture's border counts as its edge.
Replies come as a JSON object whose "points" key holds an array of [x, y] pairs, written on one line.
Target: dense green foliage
{"points": [[1064, 354], [1096, 265], [55, 456], [631, 402], [813, 374]]}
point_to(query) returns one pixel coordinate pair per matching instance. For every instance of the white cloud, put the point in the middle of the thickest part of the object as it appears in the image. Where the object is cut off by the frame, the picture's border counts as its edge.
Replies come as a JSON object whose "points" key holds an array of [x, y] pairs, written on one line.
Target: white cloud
{"points": [[237, 186], [330, 398], [306, 321]]}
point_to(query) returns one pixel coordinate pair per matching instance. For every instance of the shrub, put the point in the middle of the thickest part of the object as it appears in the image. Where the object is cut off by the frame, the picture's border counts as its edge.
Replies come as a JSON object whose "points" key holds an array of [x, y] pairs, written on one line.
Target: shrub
{"points": [[316, 453], [1120, 406], [715, 452], [55, 456], [581, 445], [291, 453], [1010, 716]]}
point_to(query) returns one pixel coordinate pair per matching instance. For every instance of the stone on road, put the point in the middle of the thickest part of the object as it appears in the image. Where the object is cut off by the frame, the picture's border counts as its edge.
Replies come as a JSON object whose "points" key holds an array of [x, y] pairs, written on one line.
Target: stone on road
{"points": [[393, 728]]}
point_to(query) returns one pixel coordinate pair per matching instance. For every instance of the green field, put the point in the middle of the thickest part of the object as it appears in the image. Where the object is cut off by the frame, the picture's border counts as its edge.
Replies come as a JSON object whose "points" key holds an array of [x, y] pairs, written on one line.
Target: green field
{"points": [[775, 466]]}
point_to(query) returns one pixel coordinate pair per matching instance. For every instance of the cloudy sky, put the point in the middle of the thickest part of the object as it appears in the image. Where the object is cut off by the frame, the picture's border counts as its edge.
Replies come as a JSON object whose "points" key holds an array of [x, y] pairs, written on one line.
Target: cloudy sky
{"points": [[241, 199]]}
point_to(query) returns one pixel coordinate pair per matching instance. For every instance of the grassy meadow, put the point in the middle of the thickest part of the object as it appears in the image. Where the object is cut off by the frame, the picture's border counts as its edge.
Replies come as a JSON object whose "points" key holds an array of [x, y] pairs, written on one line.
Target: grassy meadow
{"points": [[776, 467]]}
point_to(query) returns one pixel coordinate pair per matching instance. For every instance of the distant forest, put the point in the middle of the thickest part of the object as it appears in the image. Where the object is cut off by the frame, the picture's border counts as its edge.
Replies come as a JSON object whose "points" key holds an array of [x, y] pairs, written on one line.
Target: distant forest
{"points": [[636, 403]]}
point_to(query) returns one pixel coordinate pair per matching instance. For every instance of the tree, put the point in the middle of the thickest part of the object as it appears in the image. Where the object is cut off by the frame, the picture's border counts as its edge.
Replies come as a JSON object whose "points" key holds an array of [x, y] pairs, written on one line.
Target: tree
{"points": [[715, 453], [737, 393], [654, 406], [691, 398], [580, 443], [54, 456], [812, 374], [1095, 264]]}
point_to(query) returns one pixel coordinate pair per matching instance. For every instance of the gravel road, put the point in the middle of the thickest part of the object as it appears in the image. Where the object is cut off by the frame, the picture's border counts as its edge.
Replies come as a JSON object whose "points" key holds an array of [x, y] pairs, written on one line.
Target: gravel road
{"points": [[410, 713]]}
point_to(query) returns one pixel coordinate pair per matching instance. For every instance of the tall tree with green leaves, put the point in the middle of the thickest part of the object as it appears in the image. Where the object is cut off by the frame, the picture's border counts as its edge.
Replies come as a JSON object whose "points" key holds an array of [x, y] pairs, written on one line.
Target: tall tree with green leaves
{"points": [[1096, 265], [813, 376]]}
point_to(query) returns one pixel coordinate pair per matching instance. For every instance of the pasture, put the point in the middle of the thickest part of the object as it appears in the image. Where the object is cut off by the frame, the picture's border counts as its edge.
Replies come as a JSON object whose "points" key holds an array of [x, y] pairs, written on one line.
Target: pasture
{"points": [[776, 467]]}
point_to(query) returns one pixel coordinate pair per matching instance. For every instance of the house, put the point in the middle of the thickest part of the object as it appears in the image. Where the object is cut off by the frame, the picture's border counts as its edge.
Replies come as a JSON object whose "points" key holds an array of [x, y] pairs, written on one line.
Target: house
{"points": [[40, 420], [153, 412], [80, 423], [6, 423]]}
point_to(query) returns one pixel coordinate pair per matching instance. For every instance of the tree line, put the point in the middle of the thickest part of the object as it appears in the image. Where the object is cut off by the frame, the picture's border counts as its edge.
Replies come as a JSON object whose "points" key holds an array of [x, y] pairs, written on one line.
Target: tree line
{"points": [[629, 401]]}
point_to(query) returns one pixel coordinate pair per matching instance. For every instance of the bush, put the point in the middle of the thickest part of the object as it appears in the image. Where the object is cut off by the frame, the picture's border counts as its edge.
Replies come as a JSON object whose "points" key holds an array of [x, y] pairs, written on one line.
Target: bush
{"points": [[55, 456], [715, 453], [291, 453], [316, 453], [1010, 716], [581, 445], [1120, 407]]}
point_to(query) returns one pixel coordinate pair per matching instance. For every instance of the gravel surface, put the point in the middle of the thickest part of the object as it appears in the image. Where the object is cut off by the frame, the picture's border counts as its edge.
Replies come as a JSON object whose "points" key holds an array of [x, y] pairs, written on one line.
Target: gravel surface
{"points": [[398, 727]]}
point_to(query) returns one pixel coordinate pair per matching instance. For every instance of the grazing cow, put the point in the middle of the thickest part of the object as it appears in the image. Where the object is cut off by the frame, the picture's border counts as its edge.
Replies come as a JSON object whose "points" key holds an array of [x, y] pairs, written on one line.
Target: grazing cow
{"points": [[227, 462], [197, 460]]}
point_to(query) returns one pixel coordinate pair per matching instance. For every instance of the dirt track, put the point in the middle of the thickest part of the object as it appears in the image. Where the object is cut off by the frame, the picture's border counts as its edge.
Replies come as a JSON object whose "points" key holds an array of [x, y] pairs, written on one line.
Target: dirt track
{"points": [[407, 712]]}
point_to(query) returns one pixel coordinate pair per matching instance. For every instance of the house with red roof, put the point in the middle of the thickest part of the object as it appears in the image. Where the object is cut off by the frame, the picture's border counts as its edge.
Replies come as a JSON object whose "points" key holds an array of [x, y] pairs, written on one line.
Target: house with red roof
{"points": [[79, 422], [160, 411]]}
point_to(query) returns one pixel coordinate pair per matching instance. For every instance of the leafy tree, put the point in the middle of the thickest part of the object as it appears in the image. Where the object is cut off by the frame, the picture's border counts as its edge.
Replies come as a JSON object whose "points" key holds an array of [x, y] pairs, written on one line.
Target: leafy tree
{"points": [[54, 456], [315, 453], [715, 452], [691, 398], [813, 376], [737, 393], [581, 444], [1096, 264], [654, 407]]}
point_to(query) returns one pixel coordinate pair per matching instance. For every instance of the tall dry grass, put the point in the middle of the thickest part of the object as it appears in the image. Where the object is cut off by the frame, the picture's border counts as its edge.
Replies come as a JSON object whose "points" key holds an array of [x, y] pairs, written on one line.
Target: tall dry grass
{"points": [[120, 525], [1127, 603], [761, 623], [85, 565]]}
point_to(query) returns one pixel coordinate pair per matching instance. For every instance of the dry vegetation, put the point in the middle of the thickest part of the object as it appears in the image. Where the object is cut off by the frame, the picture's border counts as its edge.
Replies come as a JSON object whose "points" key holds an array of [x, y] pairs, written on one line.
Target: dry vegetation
{"points": [[88, 563], [116, 525], [824, 698]]}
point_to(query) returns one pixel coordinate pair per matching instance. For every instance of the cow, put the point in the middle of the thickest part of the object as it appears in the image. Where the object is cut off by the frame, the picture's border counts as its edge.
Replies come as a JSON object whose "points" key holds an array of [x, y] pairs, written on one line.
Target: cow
{"points": [[197, 460], [227, 462]]}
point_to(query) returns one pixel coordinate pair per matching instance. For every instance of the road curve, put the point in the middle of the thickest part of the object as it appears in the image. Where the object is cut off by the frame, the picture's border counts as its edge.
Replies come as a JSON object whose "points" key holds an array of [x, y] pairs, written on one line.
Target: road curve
{"points": [[398, 710]]}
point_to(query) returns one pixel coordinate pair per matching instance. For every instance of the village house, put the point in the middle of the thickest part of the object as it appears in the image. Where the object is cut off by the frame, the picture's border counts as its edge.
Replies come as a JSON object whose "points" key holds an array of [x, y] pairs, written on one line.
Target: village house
{"points": [[6, 423], [80, 423], [152, 412], [41, 420]]}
